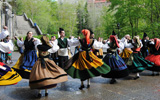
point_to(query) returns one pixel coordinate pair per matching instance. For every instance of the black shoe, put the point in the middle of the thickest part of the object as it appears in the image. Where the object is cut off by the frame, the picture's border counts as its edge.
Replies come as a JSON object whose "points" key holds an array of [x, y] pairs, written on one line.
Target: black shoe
{"points": [[88, 86], [46, 94], [153, 74], [113, 81], [81, 87], [39, 95], [136, 77], [157, 74]]}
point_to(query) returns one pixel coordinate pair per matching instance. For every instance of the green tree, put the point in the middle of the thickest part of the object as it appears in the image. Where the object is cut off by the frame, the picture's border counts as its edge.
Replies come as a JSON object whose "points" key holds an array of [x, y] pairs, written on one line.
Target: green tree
{"points": [[82, 17]]}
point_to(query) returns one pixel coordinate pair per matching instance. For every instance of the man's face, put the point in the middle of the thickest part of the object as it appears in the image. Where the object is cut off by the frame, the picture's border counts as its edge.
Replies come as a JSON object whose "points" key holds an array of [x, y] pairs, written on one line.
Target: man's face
{"points": [[62, 33]]}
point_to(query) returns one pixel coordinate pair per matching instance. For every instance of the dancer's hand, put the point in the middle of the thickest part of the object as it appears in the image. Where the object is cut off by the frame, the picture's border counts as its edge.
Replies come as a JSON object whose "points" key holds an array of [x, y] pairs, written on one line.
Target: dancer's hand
{"points": [[34, 39], [16, 37]]}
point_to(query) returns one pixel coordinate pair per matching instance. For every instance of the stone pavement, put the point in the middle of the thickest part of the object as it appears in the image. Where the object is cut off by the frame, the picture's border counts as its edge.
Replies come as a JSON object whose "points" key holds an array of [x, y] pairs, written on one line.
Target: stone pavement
{"points": [[145, 88]]}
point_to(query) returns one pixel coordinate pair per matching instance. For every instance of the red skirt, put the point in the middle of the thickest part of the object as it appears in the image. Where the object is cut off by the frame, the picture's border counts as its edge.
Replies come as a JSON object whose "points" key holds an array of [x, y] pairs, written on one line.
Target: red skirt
{"points": [[154, 58]]}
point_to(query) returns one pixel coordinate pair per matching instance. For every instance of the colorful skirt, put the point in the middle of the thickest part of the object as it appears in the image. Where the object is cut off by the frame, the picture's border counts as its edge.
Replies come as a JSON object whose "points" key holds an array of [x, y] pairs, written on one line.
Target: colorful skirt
{"points": [[25, 63], [29, 60], [126, 54], [46, 77], [156, 60], [117, 65], [79, 67], [8, 76], [136, 63]]}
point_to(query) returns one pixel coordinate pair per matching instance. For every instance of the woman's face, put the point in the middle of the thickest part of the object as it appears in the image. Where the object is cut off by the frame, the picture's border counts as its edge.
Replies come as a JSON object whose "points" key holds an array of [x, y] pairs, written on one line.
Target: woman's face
{"points": [[99, 38], [134, 40], [53, 38], [29, 35]]}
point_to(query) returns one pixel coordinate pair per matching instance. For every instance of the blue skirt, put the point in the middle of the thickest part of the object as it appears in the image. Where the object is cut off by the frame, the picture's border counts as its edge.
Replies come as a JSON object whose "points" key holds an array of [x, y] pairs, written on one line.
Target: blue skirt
{"points": [[118, 67], [29, 60]]}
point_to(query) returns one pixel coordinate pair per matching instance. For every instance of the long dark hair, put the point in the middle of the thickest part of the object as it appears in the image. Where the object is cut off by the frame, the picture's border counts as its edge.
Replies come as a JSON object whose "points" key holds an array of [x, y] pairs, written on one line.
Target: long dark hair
{"points": [[27, 35]]}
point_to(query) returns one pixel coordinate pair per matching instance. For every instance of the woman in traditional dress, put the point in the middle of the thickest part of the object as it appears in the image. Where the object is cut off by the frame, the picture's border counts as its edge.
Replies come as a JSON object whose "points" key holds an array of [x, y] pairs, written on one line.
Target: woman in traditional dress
{"points": [[154, 56], [118, 67], [26, 61], [45, 73], [136, 63], [7, 75], [99, 53], [85, 65], [125, 54]]}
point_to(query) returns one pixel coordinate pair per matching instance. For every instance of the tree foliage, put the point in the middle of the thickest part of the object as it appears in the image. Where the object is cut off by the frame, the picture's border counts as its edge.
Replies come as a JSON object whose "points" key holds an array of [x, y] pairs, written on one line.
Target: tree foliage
{"points": [[82, 17], [134, 16], [49, 15]]}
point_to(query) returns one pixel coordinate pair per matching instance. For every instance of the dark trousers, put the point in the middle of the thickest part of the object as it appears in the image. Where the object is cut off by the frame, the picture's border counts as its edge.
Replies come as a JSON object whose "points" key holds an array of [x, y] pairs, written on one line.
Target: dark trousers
{"points": [[54, 57], [144, 53], [61, 60]]}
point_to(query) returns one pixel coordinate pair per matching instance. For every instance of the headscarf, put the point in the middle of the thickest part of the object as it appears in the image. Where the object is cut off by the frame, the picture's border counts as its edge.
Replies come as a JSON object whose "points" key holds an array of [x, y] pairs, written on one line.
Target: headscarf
{"points": [[137, 40], [86, 33], [157, 43], [113, 38], [45, 41]]}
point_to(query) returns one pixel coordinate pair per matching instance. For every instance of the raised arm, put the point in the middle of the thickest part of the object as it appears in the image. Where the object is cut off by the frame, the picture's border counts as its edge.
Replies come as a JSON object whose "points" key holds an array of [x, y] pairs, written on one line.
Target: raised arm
{"points": [[54, 48], [20, 43], [128, 45], [6, 47]]}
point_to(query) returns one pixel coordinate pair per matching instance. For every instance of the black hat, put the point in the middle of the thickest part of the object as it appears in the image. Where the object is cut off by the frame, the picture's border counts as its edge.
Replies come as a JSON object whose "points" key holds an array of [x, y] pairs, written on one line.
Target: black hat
{"points": [[61, 29], [144, 35], [113, 33]]}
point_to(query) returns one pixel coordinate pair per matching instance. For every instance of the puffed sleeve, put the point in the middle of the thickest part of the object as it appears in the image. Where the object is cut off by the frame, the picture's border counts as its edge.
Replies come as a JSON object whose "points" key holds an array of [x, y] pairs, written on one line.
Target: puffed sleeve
{"points": [[106, 46], [73, 42], [128, 45], [54, 48], [20, 43], [97, 45], [37, 42], [121, 46], [6, 47]]}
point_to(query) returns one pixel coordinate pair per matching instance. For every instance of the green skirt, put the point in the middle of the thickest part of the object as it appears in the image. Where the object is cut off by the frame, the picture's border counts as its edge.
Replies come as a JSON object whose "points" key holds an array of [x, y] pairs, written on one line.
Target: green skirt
{"points": [[136, 63], [79, 67]]}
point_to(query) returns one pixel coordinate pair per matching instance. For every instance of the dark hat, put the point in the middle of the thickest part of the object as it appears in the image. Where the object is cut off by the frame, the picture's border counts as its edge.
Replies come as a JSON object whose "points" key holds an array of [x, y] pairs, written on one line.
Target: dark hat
{"points": [[144, 35], [61, 29], [113, 33]]}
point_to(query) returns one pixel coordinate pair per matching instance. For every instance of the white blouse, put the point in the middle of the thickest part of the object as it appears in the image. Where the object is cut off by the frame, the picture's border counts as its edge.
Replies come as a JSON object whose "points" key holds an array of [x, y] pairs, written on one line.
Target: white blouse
{"points": [[6, 47], [36, 42]]}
